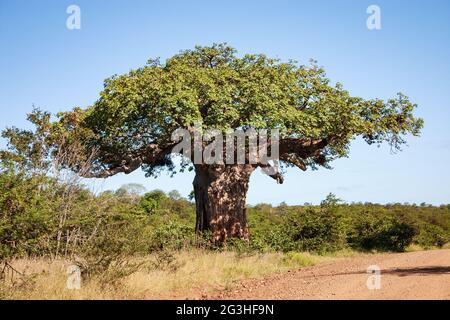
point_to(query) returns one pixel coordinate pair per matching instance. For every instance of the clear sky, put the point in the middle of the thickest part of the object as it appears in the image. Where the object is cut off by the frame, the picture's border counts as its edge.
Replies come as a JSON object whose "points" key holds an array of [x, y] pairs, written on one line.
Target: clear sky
{"points": [[45, 64]]}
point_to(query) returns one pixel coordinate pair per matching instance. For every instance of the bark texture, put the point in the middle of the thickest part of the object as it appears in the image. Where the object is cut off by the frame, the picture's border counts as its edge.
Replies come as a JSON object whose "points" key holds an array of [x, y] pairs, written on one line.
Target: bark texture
{"points": [[220, 197]]}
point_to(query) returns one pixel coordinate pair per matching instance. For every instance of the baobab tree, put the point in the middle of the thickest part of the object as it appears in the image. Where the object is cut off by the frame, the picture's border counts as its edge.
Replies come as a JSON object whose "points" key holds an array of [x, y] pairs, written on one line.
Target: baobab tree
{"points": [[131, 125]]}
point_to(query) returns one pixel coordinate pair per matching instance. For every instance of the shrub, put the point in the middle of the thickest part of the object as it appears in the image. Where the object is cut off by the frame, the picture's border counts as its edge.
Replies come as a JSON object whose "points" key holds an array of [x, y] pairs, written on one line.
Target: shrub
{"points": [[151, 201], [431, 236], [318, 230], [312, 229], [27, 213], [384, 233], [108, 253], [172, 235]]}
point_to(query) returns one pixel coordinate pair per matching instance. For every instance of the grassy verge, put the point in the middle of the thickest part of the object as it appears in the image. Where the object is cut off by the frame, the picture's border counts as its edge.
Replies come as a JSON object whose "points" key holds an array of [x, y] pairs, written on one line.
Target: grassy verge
{"points": [[186, 274]]}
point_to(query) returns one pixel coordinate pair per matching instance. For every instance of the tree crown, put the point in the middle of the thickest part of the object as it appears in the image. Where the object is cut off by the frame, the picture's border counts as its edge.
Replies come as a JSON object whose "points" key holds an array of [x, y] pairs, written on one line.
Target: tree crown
{"points": [[131, 123]]}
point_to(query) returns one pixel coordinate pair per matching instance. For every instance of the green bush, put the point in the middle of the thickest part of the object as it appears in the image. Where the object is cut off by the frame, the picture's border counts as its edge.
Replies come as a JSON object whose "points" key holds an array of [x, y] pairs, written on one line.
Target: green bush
{"points": [[27, 213], [313, 229], [432, 236], [383, 233], [172, 235]]}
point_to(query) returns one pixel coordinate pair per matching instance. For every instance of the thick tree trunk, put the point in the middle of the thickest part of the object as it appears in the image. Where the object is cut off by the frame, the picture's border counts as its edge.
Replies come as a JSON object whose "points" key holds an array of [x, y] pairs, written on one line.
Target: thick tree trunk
{"points": [[220, 194]]}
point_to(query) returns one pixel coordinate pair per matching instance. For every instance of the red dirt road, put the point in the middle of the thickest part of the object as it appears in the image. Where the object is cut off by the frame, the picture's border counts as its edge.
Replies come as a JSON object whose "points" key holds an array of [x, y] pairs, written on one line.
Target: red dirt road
{"points": [[413, 275]]}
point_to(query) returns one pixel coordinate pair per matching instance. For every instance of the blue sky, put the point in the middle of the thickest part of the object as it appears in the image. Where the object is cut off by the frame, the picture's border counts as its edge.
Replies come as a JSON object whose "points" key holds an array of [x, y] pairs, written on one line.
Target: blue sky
{"points": [[45, 64]]}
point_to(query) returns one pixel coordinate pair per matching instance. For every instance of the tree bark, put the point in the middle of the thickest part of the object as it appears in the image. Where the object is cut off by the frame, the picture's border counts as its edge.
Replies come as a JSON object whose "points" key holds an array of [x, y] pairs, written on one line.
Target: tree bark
{"points": [[220, 196]]}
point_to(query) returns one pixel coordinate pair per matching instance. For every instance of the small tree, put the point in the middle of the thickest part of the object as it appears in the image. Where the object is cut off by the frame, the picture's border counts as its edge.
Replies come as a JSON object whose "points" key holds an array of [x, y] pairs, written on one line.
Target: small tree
{"points": [[130, 126], [151, 201]]}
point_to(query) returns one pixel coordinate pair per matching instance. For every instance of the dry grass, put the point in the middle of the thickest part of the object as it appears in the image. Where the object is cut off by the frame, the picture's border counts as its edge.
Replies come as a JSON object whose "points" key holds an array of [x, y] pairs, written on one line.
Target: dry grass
{"points": [[191, 275]]}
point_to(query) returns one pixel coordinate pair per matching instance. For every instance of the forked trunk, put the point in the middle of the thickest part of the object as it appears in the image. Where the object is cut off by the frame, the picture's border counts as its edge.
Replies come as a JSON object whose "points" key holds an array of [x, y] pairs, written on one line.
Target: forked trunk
{"points": [[220, 195]]}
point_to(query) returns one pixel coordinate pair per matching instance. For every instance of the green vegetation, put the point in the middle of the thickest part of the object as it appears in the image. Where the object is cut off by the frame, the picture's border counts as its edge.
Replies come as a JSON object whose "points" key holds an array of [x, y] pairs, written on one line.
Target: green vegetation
{"points": [[43, 217], [363, 227]]}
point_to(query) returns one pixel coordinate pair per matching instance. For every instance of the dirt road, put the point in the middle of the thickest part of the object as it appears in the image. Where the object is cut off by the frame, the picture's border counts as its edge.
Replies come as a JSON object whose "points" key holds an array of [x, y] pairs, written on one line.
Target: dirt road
{"points": [[414, 275]]}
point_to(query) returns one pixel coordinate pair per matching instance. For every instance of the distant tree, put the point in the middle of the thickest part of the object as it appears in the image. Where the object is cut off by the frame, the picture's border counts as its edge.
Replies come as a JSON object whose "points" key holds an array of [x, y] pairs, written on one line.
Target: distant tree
{"points": [[174, 195], [330, 200], [151, 201], [133, 189], [131, 124]]}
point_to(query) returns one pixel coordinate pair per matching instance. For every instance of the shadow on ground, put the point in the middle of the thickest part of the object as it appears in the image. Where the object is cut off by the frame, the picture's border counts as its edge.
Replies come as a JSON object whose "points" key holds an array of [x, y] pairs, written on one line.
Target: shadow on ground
{"points": [[401, 272]]}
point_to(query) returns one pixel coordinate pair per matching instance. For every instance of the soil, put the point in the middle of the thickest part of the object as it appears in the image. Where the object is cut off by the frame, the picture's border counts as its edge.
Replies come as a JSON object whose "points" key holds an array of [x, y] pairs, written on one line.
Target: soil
{"points": [[412, 275]]}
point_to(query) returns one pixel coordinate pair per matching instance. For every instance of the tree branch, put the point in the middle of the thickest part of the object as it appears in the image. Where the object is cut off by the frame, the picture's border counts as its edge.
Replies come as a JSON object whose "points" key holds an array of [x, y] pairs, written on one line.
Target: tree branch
{"points": [[129, 163], [296, 150], [293, 159], [272, 172]]}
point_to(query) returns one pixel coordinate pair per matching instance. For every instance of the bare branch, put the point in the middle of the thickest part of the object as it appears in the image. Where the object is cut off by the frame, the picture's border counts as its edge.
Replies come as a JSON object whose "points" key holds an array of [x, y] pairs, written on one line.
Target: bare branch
{"points": [[128, 163], [125, 167], [272, 172]]}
